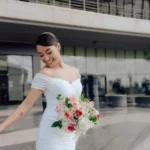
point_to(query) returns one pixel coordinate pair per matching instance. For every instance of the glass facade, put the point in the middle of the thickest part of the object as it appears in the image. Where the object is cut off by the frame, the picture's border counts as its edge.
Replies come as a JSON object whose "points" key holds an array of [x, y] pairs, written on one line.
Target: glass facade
{"points": [[111, 71], [16, 74]]}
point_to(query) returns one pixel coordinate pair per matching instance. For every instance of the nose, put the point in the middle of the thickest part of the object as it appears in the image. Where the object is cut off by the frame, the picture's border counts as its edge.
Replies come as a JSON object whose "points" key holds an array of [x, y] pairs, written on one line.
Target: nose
{"points": [[46, 58]]}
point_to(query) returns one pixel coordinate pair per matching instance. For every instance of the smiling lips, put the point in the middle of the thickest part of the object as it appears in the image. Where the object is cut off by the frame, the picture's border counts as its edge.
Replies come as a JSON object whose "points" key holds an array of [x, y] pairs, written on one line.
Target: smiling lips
{"points": [[50, 62]]}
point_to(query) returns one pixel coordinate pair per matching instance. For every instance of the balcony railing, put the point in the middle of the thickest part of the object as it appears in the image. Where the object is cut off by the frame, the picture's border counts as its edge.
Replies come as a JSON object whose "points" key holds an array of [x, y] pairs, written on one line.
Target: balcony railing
{"points": [[96, 6]]}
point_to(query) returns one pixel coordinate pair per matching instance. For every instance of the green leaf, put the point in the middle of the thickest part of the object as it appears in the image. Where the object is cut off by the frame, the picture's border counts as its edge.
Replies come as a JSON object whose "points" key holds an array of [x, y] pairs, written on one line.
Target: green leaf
{"points": [[93, 118], [57, 124], [75, 117], [60, 125], [66, 101], [69, 105], [59, 96], [83, 98]]}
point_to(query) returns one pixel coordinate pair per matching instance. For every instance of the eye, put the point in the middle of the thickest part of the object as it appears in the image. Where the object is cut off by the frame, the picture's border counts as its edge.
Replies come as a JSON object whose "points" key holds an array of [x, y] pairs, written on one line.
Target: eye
{"points": [[41, 55], [49, 53]]}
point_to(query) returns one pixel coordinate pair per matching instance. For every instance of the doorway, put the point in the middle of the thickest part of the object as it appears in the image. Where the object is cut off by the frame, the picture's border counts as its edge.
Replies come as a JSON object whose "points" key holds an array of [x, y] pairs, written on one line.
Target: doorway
{"points": [[4, 100], [94, 86]]}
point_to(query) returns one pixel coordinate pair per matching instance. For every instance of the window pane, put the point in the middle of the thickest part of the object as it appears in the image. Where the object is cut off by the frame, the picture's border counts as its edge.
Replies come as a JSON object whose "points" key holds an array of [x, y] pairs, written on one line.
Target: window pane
{"points": [[147, 63], [140, 82], [27, 83], [80, 60], [130, 62], [3, 63], [15, 87], [68, 56], [101, 61], [27, 65], [128, 84], [137, 8], [91, 61], [15, 64], [128, 9], [112, 84], [121, 62], [140, 62], [111, 62]]}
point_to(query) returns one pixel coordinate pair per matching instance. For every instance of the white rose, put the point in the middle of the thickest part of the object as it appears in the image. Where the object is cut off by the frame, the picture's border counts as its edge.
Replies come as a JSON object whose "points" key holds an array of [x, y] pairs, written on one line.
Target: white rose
{"points": [[85, 124]]}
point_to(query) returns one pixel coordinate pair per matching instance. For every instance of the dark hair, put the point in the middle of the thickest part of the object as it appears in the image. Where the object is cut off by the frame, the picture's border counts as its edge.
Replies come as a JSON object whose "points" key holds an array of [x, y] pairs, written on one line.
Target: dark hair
{"points": [[47, 39]]}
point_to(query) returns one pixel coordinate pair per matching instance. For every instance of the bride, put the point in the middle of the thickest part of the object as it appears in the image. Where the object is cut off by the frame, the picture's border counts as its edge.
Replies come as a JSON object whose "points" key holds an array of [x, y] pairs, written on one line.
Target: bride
{"points": [[54, 78]]}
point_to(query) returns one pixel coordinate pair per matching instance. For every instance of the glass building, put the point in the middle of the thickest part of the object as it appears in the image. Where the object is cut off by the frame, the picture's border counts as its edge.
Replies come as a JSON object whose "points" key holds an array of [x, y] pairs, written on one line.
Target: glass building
{"points": [[111, 71], [16, 74], [109, 63]]}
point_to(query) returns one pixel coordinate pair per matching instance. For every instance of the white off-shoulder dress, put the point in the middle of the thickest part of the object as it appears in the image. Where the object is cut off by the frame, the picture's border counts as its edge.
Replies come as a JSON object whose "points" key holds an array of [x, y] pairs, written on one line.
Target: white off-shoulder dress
{"points": [[53, 138]]}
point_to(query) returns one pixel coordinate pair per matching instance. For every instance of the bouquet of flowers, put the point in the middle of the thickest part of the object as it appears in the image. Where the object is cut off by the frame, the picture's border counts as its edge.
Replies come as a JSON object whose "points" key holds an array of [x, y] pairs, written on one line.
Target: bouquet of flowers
{"points": [[74, 114]]}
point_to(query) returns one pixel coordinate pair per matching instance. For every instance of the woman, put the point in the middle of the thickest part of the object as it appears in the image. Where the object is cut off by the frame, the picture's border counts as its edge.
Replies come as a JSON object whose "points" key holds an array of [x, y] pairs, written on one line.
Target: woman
{"points": [[53, 79]]}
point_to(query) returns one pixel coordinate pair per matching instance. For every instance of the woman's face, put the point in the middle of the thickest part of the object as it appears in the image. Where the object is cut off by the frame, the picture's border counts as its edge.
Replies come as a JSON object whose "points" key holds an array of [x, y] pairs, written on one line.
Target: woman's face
{"points": [[50, 55]]}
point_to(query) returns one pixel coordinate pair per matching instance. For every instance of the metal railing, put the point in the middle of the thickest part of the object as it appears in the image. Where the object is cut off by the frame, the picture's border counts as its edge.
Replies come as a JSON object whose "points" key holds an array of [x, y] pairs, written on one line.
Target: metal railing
{"points": [[96, 6]]}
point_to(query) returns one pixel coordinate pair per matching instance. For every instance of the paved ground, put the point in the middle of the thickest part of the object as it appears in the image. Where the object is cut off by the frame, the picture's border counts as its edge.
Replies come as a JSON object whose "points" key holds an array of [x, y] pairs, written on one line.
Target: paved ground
{"points": [[119, 129]]}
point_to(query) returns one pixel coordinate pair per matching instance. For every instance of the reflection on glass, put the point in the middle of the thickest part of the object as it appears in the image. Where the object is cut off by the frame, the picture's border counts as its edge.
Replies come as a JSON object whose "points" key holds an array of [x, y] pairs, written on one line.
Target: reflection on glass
{"points": [[121, 62], [146, 85], [128, 9], [120, 7], [15, 64], [68, 56], [130, 62], [3, 62], [113, 84], [80, 60], [27, 83], [15, 87], [27, 64], [128, 83], [91, 83], [111, 62], [140, 62], [20, 76], [91, 61], [147, 63], [140, 84], [101, 61], [27, 69], [84, 82]]}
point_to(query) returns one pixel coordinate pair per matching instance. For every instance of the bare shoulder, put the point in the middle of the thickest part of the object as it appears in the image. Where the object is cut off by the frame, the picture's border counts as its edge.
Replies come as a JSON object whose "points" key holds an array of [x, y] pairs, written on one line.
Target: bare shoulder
{"points": [[76, 71], [46, 71]]}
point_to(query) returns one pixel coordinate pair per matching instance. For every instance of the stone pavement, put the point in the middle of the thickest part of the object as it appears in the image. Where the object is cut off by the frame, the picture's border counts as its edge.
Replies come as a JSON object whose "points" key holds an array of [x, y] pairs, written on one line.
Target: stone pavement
{"points": [[119, 129]]}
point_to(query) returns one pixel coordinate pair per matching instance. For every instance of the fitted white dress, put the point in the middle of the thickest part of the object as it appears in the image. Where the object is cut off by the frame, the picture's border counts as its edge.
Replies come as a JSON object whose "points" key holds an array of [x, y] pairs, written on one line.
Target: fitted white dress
{"points": [[54, 138]]}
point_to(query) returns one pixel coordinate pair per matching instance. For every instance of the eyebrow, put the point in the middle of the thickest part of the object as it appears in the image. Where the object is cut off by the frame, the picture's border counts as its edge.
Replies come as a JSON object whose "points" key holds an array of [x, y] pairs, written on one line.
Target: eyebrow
{"points": [[45, 51]]}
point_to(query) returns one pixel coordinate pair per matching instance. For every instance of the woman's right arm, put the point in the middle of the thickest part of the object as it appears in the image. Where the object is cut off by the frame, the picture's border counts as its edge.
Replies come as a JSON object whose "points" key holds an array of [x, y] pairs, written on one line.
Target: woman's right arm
{"points": [[23, 108]]}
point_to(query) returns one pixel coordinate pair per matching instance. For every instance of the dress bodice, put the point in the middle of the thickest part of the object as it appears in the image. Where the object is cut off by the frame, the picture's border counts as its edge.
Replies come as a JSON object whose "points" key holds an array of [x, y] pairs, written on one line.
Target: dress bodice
{"points": [[54, 86]]}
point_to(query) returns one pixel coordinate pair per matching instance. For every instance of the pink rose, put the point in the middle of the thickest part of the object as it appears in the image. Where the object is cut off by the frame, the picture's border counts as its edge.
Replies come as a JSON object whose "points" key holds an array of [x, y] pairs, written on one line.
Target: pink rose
{"points": [[84, 104], [75, 105], [72, 120], [73, 99], [68, 114], [63, 102], [58, 108], [91, 104]]}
